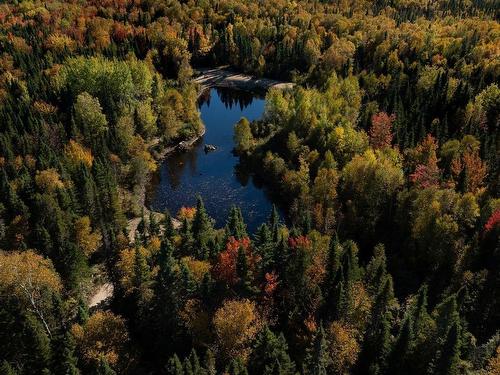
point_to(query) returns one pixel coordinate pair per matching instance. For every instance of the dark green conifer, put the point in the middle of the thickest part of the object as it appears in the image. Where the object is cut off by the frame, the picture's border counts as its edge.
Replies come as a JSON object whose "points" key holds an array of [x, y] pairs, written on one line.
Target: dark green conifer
{"points": [[318, 359], [270, 355]]}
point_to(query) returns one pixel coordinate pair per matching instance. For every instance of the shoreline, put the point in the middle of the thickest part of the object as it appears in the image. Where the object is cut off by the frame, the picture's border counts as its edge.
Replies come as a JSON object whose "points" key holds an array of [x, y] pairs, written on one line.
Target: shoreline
{"points": [[206, 79], [223, 77]]}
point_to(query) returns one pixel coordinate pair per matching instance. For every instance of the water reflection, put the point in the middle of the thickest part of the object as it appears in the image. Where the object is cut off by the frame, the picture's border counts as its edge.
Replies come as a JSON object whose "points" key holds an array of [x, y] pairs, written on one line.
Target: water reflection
{"points": [[217, 176], [231, 97]]}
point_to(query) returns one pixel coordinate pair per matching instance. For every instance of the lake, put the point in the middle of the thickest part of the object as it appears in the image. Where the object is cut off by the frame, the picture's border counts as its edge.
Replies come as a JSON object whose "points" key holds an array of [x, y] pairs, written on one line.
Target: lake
{"points": [[216, 176]]}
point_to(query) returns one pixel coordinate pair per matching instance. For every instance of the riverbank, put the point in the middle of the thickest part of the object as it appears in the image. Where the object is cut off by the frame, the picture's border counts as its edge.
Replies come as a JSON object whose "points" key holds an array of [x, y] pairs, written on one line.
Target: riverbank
{"points": [[206, 78], [223, 77]]}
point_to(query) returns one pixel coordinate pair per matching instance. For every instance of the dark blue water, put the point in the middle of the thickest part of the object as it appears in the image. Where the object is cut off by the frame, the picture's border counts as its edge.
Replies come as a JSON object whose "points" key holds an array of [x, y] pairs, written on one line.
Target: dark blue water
{"points": [[216, 176]]}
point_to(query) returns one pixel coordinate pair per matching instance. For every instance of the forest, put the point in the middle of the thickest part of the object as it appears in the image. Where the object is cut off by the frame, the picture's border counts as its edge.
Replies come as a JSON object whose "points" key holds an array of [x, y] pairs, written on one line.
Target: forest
{"points": [[384, 158]]}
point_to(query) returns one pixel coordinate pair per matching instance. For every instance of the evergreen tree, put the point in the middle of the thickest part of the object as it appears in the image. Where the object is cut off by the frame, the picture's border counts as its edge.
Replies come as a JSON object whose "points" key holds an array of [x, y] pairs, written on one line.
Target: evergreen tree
{"points": [[202, 229], [38, 346], [400, 358], [209, 363], [103, 368], [449, 356], [154, 227], [377, 345], [64, 360], [274, 222], [174, 366], [168, 226], [235, 225], [7, 369], [270, 355], [237, 367], [318, 360], [187, 240], [244, 273]]}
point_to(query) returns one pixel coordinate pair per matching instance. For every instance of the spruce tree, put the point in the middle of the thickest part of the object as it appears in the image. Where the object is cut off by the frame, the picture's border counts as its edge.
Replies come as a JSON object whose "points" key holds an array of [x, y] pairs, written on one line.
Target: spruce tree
{"points": [[154, 227], [235, 225], [274, 222], [318, 359], [377, 345], [449, 356], [400, 358], [209, 363], [270, 355], [64, 360], [174, 366], [168, 226], [103, 368], [202, 229], [7, 369]]}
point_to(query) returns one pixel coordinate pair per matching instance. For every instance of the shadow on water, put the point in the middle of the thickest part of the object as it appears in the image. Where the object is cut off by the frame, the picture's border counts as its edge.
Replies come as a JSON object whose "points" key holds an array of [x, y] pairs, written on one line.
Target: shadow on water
{"points": [[217, 176]]}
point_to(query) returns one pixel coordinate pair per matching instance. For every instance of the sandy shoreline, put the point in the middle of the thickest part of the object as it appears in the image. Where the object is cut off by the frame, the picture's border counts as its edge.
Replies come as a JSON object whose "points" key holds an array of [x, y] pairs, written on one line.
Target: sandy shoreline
{"points": [[222, 77]]}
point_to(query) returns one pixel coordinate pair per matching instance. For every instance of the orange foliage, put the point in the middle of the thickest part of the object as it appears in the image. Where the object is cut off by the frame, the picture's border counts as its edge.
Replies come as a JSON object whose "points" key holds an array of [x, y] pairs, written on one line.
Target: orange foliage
{"points": [[225, 268], [381, 130], [186, 213]]}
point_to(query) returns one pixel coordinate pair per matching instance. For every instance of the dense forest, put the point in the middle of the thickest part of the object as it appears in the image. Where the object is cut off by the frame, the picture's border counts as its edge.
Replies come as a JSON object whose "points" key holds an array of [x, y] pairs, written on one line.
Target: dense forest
{"points": [[385, 156]]}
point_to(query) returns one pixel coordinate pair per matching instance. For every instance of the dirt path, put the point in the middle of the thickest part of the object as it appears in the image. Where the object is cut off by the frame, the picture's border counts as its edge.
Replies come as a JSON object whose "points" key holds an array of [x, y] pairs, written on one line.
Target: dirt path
{"points": [[104, 292], [223, 77]]}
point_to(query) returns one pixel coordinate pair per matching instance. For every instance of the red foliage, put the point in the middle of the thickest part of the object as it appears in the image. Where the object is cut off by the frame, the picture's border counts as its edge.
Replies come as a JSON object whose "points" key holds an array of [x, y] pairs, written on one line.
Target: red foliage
{"points": [[225, 269], [493, 221], [425, 176], [300, 242], [271, 283], [381, 130]]}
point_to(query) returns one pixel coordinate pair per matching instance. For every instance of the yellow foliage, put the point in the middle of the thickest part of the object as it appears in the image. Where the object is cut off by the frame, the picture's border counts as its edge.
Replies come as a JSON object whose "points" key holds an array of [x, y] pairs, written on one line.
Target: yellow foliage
{"points": [[494, 364], [59, 42], [344, 348], [236, 323], [29, 276], [104, 335], [198, 268], [77, 153], [86, 239], [48, 180], [125, 266]]}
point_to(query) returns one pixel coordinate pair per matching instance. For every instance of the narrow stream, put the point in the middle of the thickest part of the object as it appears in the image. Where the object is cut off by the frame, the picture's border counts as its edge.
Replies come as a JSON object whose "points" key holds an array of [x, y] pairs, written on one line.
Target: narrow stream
{"points": [[216, 176]]}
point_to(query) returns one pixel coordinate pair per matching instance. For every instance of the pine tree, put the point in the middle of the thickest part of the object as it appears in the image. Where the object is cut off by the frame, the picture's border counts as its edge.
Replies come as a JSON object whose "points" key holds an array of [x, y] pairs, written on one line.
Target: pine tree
{"points": [[243, 273], [187, 240], [376, 346], [270, 355], [202, 228], [64, 360], [376, 270], [103, 368], [209, 363], [449, 355], [38, 345], [174, 366], [318, 360], [154, 227], [7, 369], [235, 225], [167, 300], [168, 226], [400, 358], [237, 367], [274, 222], [264, 246]]}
